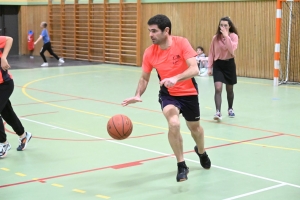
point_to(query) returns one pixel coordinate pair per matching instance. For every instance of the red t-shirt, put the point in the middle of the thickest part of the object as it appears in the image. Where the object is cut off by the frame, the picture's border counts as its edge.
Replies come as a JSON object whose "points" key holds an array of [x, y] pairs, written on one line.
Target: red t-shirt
{"points": [[171, 62], [4, 75]]}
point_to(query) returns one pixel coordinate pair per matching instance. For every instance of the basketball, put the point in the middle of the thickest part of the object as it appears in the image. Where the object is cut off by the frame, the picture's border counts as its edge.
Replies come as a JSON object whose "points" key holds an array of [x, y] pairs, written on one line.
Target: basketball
{"points": [[119, 127]]}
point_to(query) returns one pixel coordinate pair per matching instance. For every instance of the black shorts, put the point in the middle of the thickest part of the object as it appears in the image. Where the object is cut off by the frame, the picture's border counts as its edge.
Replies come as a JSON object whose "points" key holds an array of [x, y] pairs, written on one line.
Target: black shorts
{"points": [[225, 71], [187, 105]]}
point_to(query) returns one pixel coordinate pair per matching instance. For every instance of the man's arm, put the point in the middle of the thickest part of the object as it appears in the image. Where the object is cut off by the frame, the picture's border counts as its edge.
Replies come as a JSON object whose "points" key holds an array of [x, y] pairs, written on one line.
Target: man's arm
{"points": [[142, 85], [38, 40], [190, 72], [7, 47]]}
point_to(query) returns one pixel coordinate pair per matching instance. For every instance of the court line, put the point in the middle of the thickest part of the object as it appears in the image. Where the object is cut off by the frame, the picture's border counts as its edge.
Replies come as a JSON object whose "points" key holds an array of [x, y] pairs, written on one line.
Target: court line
{"points": [[83, 98], [26, 104], [251, 128], [76, 140], [106, 69], [96, 114], [168, 155], [255, 192], [80, 111], [98, 140]]}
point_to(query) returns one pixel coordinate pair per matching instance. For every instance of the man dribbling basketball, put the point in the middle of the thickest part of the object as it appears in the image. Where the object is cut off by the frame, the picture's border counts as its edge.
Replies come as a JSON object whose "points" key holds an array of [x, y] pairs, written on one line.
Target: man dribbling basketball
{"points": [[175, 62]]}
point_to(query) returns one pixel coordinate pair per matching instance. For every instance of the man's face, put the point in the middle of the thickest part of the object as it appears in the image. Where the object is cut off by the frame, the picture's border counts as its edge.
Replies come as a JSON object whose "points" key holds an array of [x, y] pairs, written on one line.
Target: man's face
{"points": [[157, 36]]}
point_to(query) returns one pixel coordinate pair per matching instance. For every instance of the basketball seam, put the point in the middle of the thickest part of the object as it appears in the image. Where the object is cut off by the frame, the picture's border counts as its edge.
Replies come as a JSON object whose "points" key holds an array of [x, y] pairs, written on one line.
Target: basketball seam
{"points": [[116, 128], [129, 128], [123, 126]]}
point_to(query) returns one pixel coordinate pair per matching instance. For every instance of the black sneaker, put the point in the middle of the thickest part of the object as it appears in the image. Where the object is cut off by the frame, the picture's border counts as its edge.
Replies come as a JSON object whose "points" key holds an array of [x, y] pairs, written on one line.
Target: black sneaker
{"points": [[204, 159], [182, 174]]}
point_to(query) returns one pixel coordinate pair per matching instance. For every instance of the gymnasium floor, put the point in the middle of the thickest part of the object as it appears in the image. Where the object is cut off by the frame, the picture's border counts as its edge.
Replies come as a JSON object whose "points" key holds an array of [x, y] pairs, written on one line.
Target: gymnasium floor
{"points": [[254, 156]]}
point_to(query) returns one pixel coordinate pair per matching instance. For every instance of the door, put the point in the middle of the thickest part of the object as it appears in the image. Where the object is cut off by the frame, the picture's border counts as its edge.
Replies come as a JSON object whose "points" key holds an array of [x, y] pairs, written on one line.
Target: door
{"points": [[9, 25]]}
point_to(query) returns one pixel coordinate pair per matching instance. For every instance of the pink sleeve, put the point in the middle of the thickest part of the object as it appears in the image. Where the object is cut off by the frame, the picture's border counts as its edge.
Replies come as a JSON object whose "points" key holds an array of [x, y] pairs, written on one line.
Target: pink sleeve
{"points": [[187, 49], [232, 43], [146, 65], [211, 54]]}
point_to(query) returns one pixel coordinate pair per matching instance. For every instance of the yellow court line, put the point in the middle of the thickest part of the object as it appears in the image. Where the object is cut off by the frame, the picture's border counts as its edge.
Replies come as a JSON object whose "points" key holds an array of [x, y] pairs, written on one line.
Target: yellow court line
{"points": [[20, 174], [79, 191], [208, 108], [254, 83], [5, 169], [57, 185], [96, 114], [103, 197], [254, 144]]}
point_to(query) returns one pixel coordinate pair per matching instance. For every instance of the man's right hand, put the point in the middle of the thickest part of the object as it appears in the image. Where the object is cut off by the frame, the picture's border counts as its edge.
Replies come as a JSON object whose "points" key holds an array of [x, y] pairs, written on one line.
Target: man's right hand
{"points": [[131, 100], [4, 64]]}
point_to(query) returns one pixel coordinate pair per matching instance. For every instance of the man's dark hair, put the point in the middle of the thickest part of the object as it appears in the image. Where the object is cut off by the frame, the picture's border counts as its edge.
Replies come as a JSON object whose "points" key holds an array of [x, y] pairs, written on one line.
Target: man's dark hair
{"points": [[161, 21]]}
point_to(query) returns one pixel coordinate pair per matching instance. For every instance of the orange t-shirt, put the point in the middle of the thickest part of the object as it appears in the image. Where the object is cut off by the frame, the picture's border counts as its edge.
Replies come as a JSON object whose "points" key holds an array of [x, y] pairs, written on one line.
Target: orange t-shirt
{"points": [[4, 75], [171, 62]]}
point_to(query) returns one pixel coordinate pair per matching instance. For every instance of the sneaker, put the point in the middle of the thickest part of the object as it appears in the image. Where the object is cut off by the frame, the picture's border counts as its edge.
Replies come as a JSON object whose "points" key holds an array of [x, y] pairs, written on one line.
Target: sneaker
{"points": [[4, 149], [204, 159], [61, 60], [231, 113], [44, 65], [24, 141], [218, 116], [182, 174], [31, 57]]}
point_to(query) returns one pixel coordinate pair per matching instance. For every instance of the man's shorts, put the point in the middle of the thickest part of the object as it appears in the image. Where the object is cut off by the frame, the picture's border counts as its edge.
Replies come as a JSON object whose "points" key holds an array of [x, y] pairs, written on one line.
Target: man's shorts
{"points": [[188, 105]]}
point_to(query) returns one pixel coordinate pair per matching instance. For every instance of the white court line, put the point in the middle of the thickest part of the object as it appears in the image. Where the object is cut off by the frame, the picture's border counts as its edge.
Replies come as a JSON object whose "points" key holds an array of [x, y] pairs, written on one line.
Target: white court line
{"points": [[255, 192], [120, 143]]}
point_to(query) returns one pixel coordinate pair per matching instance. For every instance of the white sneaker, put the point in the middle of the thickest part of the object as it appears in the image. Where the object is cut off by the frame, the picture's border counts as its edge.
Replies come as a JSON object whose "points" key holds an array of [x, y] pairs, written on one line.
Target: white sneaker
{"points": [[44, 65], [61, 60], [218, 116], [24, 141], [4, 149], [31, 57], [231, 113]]}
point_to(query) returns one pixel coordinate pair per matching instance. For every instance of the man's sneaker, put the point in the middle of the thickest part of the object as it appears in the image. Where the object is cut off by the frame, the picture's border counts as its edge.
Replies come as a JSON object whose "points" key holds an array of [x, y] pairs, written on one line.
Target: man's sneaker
{"points": [[61, 60], [23, 141], [204, 159], [231, 113], [44, 65], [218, 116], [4, 149], [182, 174]]}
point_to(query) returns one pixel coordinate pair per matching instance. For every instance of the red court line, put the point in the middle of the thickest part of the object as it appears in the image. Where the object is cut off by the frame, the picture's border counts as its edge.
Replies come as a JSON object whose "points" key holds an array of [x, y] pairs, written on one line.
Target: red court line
{"points": [[108, 102], [245, 127], [25, 104], [129, 164]]}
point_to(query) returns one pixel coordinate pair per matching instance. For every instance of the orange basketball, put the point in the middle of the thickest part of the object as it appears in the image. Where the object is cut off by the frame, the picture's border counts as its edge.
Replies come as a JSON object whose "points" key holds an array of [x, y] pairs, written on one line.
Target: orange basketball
{"points": [[119, 127]]}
